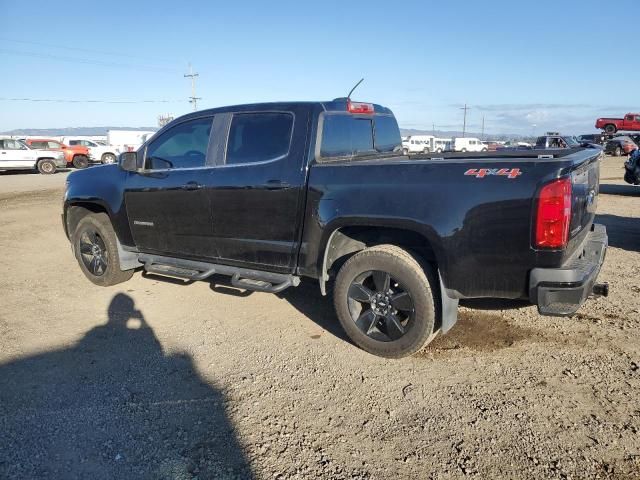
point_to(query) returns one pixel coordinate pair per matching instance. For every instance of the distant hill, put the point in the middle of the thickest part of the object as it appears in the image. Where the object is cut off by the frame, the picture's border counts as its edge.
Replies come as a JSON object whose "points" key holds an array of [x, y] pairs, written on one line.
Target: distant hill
{"points": [[71, 131]]}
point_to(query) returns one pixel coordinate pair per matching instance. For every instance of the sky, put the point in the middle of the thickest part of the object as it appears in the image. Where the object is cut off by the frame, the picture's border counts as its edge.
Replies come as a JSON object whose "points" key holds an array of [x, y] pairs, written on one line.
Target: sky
{"points": [[526, 67]]}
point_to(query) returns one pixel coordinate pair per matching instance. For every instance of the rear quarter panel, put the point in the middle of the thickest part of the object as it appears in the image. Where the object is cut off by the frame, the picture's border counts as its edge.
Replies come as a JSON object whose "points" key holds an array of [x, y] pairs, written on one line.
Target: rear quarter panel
{"points": [[480, 228]]}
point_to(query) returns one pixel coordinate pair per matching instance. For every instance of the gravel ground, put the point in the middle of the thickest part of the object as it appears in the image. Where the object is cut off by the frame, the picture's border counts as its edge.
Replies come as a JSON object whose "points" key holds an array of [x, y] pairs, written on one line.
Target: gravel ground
{"points": [[162, 379]]}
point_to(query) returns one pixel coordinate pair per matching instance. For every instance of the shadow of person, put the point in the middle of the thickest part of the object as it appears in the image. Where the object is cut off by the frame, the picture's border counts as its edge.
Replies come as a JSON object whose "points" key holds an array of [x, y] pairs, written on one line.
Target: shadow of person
{"points": [[114, 406]]}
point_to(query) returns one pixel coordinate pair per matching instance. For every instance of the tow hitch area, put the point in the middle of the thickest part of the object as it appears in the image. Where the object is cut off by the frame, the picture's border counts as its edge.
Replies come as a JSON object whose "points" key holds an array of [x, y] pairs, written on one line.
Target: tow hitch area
{"points": [[601, 290]]}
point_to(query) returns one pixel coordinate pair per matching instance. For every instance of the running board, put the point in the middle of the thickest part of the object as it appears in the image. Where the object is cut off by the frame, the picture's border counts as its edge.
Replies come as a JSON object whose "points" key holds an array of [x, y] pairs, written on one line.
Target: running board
{"points": [[245, 278]]}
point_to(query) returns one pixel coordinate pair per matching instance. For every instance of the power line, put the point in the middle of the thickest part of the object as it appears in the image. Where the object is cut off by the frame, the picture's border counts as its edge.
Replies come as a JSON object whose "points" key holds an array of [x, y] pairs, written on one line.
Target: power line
{"points": [[77, 49], [63, 100], [193, 98], [88, 61]]}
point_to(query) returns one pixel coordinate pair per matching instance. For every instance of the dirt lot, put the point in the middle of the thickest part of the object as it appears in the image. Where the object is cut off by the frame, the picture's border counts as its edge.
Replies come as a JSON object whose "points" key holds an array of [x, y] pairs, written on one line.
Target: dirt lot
{"points": [[158, 379]]}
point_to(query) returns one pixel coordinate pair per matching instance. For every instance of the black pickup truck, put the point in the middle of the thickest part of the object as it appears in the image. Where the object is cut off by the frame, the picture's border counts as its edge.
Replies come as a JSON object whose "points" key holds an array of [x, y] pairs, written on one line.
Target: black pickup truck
{"points": [[270, 193]]}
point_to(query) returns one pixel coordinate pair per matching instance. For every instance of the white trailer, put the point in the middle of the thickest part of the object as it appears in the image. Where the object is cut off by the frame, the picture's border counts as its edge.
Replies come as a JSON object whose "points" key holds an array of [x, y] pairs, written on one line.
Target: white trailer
{"points": [[128, 140]]}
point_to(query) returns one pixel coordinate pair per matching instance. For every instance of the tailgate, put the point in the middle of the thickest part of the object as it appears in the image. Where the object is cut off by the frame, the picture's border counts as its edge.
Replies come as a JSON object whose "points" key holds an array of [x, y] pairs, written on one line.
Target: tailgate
{"points": [[585, 179]]}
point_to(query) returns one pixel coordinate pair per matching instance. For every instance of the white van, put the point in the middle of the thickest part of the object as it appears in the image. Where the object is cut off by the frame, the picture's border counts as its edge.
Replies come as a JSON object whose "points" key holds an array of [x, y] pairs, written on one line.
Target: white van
{"points": [[467, 144], [415, 144]]}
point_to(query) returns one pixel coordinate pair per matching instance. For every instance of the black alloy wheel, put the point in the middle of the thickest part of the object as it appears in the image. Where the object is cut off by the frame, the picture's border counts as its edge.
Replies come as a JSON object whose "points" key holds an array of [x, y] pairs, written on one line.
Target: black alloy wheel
{"points": [[379, 306], [94, 253]]}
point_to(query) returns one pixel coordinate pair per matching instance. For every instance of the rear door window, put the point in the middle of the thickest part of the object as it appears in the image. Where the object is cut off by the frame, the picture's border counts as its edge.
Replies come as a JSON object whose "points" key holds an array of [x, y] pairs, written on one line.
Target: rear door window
{"points": [[258, 137]]}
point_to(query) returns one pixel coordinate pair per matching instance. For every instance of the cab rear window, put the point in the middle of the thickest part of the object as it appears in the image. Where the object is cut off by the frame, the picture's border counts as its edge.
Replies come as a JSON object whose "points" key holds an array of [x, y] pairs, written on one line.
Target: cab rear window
{"points": [[345, 135]]}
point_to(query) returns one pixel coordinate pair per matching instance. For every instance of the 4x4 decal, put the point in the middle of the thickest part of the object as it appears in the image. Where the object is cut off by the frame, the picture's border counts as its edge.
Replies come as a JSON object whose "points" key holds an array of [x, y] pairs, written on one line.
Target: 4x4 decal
{"points": [[483, 172]]}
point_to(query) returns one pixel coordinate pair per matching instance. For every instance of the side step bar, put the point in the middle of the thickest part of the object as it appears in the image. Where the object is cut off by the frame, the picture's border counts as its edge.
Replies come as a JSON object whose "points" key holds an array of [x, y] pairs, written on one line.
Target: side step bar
{"points": [[245, 278]]}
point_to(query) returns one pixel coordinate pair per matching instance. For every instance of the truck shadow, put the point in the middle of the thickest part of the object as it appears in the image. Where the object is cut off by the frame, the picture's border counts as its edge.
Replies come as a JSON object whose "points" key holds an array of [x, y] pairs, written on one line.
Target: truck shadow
{"points": [[114, 406], [623, 232], [623, 190]]}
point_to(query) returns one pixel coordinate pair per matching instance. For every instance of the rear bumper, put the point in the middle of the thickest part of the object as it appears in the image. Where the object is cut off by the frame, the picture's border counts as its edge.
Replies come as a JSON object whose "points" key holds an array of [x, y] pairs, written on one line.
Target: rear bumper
{"points": [[561, 291]]}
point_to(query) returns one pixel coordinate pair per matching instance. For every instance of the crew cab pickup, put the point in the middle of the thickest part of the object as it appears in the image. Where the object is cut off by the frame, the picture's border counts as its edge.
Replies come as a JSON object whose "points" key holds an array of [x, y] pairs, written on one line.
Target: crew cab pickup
{"points": [[76, 156], [271, 193], [630, 122]]}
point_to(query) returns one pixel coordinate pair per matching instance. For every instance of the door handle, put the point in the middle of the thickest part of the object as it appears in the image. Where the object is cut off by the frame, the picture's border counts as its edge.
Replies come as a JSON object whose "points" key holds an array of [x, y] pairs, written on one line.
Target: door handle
{"points": [[192, 186], [276, 184]]}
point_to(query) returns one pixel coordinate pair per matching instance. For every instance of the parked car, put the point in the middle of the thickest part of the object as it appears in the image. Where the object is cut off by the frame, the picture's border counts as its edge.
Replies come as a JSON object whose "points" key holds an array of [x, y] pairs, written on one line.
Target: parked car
{"points": [[556, 141], [241, 191], [630, 122], [467, 144], [76, 156], [632, 168], [514, 145], [596, 138], [103, 153], [622, 145], [16, 155], [633, 136]]}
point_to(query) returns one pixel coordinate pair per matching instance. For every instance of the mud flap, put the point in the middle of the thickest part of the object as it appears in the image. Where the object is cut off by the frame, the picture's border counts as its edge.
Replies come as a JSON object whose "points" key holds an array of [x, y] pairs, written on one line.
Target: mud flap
{"points": [[449, 308]]}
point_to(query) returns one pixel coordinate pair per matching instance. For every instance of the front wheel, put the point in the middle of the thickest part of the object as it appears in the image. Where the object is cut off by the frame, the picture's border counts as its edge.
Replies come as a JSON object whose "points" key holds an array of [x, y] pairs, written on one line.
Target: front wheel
{"points": [[96, 250], [405, 151], [108, 158], [463, 150], [80, 161], [617, 152], [46, 166], [385, 301]]}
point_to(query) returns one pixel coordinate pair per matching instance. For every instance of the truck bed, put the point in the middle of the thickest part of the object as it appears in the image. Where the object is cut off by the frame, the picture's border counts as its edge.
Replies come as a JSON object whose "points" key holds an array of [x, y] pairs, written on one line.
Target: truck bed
{"points": [[478, 225]]}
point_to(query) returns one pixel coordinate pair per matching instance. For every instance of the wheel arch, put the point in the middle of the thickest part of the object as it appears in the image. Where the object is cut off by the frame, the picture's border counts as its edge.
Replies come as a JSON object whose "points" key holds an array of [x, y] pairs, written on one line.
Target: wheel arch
{"points": [[342, 241], [76, 210]]}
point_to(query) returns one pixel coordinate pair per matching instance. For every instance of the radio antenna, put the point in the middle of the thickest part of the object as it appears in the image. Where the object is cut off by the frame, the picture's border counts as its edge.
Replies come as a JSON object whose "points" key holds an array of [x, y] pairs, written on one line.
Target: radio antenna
{"points": [[354, 87]]}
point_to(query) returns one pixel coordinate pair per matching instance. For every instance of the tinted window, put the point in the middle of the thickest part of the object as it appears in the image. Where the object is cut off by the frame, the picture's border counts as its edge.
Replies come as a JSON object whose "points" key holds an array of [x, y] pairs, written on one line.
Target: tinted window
{"points": [[183, 146], [256, 137], [75, 142], [39, 145], [345, 135]]}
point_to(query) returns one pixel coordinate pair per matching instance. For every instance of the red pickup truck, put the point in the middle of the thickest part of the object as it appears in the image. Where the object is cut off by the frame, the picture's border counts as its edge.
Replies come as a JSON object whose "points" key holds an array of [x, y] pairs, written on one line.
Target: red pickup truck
{"points": [[630, 122]]}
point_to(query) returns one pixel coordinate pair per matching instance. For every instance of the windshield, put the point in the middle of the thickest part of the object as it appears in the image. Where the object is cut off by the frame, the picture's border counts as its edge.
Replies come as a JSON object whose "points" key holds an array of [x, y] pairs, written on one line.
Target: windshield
{"points": [[572, 141]]}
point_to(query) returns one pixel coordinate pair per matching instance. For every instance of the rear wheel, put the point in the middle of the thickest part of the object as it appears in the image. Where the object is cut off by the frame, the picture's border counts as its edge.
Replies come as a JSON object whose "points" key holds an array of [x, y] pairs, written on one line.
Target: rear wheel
{"points": [[610, 128], [46, 166], [385, 301], [108, 158], [463, 150], [80, 161], [96, 250], [405, 151]]}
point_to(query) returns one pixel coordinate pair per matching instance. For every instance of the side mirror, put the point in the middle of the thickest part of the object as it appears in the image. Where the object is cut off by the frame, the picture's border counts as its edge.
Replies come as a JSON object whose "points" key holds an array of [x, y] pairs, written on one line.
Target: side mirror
{"points": [[129, 161]]}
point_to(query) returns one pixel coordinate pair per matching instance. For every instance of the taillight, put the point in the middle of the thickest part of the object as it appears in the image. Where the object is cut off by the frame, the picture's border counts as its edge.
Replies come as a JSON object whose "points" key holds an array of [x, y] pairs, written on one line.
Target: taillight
{"points": [[359, 107], [554, 214]]}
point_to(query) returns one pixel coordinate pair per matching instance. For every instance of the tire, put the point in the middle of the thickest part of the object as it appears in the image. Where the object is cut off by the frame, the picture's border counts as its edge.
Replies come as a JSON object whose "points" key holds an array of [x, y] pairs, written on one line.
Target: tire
{"points": [[46, 166], [405, 151], [610, 128], [484, 150], [80, 161], [386, 301], [463, 150], [439, 150], [617, 152], [108, 158], [95, 248]]}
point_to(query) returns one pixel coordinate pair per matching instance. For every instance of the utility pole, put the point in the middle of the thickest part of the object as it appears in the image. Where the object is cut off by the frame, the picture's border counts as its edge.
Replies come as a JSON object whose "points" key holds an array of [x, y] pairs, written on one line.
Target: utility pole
{"points": [[433, 129], [193, 99], [482, 135], [464, 121]]}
